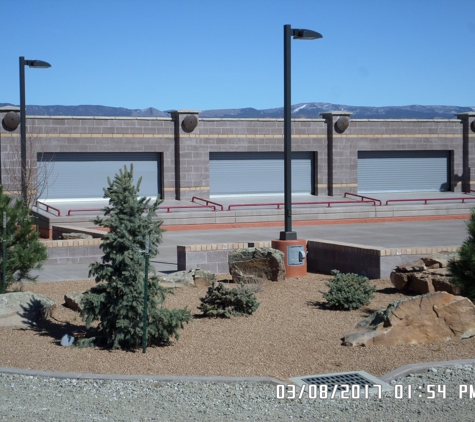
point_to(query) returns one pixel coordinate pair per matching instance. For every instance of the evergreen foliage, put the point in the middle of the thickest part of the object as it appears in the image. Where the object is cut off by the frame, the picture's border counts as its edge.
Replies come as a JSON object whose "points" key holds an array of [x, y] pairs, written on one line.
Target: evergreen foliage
{"points": [[25, 252], [348, 291], [223, 302], [117, 302], [463, 269]]}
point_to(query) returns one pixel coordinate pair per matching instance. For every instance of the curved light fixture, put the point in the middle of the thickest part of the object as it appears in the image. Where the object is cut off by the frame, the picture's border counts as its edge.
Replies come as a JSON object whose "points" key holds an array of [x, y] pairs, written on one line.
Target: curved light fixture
{"points": [[39, 64], [305, 34]]}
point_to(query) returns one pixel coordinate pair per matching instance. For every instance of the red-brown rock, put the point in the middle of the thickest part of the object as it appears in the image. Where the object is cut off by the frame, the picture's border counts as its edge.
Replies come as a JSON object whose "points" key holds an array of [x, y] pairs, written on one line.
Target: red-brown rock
{"points": [[425, 275], [429, 318]]}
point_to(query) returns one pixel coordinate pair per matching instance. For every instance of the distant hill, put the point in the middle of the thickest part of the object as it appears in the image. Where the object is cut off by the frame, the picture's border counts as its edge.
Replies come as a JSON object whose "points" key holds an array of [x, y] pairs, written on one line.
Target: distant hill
{"points": [[313, 110], [91, 110], [304, 110]]}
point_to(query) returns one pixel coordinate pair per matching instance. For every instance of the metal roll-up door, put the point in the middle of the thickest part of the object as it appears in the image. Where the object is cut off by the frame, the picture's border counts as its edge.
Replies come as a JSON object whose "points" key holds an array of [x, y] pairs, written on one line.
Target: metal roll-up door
{"points": [[258, 173], [403, 171], [81, 175]]}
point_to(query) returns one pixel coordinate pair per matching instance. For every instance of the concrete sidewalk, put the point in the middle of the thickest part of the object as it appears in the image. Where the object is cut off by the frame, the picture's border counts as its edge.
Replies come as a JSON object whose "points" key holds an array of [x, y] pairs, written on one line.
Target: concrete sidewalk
{"points": [[389, 235]]}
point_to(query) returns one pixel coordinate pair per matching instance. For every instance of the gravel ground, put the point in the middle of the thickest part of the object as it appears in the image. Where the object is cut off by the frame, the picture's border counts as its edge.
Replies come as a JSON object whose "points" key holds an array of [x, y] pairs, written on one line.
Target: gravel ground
{"points": [[29, 398], [291, 334]]}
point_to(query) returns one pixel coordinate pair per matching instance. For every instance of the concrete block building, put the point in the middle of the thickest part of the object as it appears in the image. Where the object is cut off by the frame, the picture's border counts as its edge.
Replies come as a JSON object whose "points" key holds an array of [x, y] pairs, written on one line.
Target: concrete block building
{"points": [[185, 155]]}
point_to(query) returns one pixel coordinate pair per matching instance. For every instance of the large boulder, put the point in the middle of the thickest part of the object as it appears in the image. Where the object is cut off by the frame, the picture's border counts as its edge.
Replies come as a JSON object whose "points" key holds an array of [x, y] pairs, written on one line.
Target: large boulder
{"points": [[24, 308], [429, 318], [252, 263], [425, 275]]}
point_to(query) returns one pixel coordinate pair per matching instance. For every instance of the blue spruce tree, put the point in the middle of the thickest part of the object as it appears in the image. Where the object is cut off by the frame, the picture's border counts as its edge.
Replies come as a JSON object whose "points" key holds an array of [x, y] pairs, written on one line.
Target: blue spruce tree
{"points": [[25, 253], [117, 300], [463, 268]]}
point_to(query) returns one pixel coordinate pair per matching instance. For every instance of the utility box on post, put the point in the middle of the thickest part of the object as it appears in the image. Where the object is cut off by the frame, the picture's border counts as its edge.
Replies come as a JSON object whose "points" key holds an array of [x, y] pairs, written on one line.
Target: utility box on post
{"points": [[296, 255]]}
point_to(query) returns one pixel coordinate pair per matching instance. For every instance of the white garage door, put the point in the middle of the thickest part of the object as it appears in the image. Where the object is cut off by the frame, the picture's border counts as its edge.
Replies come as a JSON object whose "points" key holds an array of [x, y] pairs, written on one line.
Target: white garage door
{"points": [[75, 175], [259, 173], [403, 171]]}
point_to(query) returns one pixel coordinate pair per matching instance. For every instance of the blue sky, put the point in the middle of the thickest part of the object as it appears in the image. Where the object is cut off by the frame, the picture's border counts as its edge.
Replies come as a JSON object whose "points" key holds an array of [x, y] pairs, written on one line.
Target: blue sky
{"points": [[210, 54]]}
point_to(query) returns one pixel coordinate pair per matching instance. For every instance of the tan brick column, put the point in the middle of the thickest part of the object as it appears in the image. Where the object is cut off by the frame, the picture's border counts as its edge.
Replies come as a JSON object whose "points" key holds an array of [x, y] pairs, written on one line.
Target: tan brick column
{"points": [[183, 124], [338, 158], [468, 150]]}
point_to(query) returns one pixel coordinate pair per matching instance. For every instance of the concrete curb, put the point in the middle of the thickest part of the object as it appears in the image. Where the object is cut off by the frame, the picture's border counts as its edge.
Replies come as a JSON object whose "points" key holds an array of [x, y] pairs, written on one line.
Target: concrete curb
{"points": [[402, 371], [162, 378], [364, 220], [418, 368]]}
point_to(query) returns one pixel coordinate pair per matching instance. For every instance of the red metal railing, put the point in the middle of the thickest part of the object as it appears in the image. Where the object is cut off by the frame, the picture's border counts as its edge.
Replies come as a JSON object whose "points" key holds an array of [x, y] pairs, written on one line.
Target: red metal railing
{"points": [[48, 207], [213, 207], [425, 200], [281, 204], [167, 208], [83, 210], [207, 202], [468, 191], [362, 197]]}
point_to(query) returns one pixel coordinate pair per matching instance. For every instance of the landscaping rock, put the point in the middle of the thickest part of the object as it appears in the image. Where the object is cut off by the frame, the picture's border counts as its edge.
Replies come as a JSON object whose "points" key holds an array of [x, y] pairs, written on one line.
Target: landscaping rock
{"points": [[203, 277], [434, 317], [439, 260], [68, 236], [266, 263], [425, 275], [400, 280], [408, 267], [24, 308], [193, 277], [72, 300]]}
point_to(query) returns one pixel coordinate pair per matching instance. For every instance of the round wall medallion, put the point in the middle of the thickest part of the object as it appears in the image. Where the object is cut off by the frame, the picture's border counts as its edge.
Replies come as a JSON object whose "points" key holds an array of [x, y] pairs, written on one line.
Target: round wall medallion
{"points": [[10, 121], [342, 124], [189, 123], [472, 125]]}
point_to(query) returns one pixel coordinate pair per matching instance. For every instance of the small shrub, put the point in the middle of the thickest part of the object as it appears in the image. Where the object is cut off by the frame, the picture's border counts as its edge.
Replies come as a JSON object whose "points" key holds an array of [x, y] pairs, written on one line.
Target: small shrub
{"points": [[348, 291], [223, 302]]}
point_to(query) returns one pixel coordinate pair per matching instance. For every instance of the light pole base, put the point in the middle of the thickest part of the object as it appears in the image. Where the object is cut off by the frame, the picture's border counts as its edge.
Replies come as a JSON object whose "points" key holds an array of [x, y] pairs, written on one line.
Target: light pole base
{"points": [[292, 269], [288, 236]]}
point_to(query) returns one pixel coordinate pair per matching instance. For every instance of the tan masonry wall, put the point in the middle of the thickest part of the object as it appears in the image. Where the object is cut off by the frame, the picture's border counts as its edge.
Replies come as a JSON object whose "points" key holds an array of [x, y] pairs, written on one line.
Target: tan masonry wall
{"points": [[212, 257], [68, 243], [373, 262], [185, 155], [371, 250], [74, 251], [323, 257]]}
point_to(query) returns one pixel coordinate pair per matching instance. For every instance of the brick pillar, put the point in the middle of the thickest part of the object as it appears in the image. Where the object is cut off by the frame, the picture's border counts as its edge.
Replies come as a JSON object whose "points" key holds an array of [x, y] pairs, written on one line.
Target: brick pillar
{"points": [[338, 160], [468, 150], [181, 126]]}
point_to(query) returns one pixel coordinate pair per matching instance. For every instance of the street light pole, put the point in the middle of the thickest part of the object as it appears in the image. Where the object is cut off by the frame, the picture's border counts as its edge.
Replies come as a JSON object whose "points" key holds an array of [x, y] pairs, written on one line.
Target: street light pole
{"points": [[22, 130], [31, 63], [288, 234], [303, 34]]}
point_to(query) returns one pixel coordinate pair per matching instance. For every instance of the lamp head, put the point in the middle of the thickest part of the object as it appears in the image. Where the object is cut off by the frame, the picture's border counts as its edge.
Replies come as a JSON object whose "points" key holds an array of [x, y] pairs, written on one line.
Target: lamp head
{"points": [[39, 64], [305, 34]]}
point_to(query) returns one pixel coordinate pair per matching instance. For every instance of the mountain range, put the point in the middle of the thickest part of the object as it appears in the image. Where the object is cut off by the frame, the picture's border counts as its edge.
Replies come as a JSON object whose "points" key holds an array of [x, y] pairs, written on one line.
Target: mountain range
{"points": [[299, 111]]}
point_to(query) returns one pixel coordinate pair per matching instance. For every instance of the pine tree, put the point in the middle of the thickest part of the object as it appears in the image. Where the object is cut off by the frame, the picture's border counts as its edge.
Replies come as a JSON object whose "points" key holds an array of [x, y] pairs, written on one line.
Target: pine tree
{"points": [[25, 252], [118, 300], [463, 269]]}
